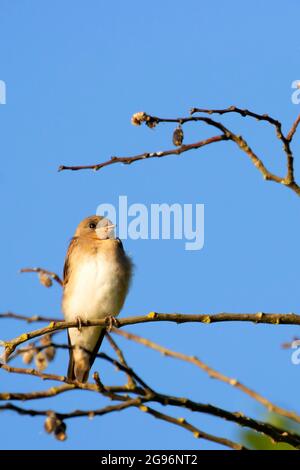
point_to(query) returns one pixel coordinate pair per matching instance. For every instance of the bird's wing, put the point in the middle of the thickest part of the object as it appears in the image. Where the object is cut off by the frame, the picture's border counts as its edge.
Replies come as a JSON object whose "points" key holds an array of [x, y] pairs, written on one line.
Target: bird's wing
{"points": [[97, 346], [120, 244], [66, 276], [67, 267], [71, 374]]}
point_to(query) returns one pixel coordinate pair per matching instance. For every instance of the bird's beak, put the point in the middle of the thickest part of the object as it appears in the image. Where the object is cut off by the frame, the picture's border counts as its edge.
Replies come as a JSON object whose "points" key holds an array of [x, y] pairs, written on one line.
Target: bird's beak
{"points": [[106, 231]]}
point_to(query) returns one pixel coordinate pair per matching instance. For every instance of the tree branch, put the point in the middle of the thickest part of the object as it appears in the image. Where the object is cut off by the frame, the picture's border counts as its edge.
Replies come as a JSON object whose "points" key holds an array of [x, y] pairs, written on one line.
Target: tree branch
{"points": [[146, 155], [197, 433], [72, 383], [275, 433], [134, 402], [147, 394], [131, 383], [152, 121], [260, 317], [32, 319], [211, 372], [293, 129], [44, 275]]}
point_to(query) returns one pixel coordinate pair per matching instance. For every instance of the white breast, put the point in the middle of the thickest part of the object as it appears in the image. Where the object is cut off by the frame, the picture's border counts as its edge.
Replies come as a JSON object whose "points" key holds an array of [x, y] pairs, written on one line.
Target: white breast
{"points": [[96, 290]]}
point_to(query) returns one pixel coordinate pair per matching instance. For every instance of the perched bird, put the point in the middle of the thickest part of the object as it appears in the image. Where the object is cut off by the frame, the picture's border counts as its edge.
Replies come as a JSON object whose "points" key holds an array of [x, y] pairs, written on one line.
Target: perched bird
{"points": [[97, 274]]}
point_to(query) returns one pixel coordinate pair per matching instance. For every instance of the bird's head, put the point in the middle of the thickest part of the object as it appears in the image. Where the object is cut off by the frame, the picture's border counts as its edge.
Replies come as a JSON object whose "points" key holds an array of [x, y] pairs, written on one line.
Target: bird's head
{"points": [[95, 227]]}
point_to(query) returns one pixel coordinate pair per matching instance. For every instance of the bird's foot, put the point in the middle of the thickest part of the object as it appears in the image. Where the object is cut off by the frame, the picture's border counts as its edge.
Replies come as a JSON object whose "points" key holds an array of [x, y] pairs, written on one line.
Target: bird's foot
{"points": [[79, 323], [110, 322]]}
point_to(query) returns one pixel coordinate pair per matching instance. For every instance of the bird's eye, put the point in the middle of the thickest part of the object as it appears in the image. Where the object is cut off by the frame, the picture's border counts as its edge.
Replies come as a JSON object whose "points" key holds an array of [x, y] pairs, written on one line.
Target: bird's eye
{"points": [[92, 225]]}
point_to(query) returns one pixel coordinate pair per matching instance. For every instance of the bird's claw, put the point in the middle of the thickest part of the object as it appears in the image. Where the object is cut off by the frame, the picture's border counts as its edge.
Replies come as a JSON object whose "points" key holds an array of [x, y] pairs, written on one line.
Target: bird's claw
{"points": [[111, 322], [79, 323]]}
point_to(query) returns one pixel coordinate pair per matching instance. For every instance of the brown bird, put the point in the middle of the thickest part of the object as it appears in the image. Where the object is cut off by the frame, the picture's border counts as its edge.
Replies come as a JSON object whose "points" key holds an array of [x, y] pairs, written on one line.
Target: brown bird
{"points": [[97, 274]]}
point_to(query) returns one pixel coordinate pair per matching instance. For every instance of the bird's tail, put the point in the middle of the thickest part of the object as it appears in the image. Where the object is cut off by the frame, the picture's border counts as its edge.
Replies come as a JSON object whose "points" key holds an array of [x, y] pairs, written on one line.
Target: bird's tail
{"points": [[79, 365], [81, 360]]}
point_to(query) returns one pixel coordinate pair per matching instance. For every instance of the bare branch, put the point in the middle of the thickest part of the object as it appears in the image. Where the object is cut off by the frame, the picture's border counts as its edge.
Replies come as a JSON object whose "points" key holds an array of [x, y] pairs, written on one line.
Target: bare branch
{"points": [[134, 402], [241, 112], [32, 319], [25, 396], [73, 414], [149, 395], [260, 317], [45, 272], [197, 433], [131, 382], [293, 129], [146, 155], [275, 433], [152, 121], [73, 383], [211, 372]]}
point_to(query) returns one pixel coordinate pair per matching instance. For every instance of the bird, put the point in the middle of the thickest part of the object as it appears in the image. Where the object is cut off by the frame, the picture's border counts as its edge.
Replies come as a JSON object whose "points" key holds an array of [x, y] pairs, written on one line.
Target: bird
{"points": [[96, 279]]}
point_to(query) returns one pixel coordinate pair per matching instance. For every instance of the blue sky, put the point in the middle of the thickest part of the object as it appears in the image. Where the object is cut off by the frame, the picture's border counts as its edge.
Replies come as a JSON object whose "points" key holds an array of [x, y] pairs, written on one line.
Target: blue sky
{"points": [[75, 73]]}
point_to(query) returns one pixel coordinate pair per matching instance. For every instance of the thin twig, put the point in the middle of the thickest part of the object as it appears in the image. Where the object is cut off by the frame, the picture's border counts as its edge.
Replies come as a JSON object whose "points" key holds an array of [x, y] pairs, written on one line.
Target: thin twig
{"points": [[133, 402], [146, 155], [275, 433], [130, 380], [73, 414], [293, 129], [211, 372], [59, 378], [197, 433], [31, 319], [51, 274]]}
